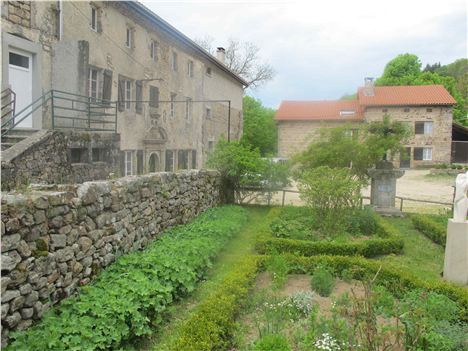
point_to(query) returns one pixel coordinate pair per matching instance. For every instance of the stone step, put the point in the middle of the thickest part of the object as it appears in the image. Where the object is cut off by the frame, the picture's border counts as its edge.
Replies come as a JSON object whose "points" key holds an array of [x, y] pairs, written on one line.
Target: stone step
{"points": [[7, 145], [22, 132], [12, 138]]}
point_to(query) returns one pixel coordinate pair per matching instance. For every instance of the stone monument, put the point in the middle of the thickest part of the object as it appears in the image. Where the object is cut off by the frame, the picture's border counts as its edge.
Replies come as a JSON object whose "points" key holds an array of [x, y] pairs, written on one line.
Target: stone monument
{"points": [[383, 187], [456, 247]]}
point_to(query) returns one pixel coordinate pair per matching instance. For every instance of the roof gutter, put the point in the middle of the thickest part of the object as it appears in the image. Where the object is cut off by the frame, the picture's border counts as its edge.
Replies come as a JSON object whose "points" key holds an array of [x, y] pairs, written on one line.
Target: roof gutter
{"points": [[173, 32]]}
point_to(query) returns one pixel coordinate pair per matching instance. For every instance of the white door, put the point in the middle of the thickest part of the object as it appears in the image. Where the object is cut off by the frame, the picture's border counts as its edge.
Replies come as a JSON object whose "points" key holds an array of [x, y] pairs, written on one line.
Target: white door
{"points": [[20, 80]]}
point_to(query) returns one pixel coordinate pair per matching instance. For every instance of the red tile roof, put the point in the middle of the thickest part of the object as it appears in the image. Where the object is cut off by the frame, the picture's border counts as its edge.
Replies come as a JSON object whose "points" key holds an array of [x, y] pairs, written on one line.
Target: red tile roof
{"points": [[415, 95], [319, 110], [407, 96]]}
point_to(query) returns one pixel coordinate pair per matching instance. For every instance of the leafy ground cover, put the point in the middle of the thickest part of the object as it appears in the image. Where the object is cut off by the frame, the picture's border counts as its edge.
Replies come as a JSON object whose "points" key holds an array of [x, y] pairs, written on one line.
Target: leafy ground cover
{"points": [[130, 297]]}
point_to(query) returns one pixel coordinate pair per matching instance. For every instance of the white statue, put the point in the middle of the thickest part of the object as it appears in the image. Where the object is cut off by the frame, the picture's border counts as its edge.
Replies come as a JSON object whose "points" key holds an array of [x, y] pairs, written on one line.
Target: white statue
{"points": [[460, 202]]}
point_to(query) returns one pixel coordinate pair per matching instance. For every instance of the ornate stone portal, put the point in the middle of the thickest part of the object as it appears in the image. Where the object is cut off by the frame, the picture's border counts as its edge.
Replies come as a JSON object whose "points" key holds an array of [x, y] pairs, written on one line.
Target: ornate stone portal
{"points": [[383, 188], [456, 247]]}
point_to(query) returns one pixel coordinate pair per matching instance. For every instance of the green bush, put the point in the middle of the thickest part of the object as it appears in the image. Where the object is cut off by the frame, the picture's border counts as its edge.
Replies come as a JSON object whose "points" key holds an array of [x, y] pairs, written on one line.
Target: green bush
{"points": [[131, 294], [278, 266], [387, 243], [272, 342], [323, 281], [430, 228], [397, 281], [362, 222], [211, 325]]}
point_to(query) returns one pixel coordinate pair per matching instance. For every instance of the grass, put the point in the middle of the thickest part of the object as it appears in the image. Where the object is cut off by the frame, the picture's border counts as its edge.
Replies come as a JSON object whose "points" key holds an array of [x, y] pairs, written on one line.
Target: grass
{"points": [[237, 248], [421, 256]]}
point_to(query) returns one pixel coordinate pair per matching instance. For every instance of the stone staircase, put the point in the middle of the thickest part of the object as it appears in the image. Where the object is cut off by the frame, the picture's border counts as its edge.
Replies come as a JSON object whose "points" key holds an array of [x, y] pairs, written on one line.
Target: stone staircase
{"points": [[16, 135]]}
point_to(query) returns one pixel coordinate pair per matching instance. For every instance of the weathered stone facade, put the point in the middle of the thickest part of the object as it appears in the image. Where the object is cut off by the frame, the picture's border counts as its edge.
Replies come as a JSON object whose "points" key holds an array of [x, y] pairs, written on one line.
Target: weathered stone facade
{"points": [[48, 157], [19, 12], [58, 239]]}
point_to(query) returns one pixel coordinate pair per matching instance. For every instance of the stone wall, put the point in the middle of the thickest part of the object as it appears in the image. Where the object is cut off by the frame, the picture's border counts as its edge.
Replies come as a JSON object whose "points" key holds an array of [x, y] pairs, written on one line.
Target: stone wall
{"points": [[45, 158], [19, 12], [55, 240], [40, 158]]}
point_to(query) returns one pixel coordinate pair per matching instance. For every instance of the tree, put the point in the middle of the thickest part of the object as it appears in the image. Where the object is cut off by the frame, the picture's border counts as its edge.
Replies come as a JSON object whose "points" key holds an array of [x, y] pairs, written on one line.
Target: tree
{"points": [[241, 166], [243, 59], [259, 126], [338, 148], [406, 70]]}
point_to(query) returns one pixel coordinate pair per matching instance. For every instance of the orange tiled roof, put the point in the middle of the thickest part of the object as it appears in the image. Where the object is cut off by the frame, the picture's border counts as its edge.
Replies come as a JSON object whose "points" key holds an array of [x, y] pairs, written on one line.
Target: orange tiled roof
{"points": [[319, 110], [407, 95]]}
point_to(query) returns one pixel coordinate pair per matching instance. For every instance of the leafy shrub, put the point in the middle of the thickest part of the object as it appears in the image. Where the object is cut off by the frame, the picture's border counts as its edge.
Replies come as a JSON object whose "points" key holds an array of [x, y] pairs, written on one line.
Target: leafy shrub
{"points": [[362, 222], [323, 281], [132, 293], [331, 194], [292, 228], [430, 228], [279, 268], [272, 342], [303, 302], [212, 324]]}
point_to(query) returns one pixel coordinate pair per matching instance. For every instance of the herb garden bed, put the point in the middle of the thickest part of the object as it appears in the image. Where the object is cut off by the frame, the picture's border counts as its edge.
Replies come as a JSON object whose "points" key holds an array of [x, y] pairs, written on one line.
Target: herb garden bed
{"points": [[366, 235]]}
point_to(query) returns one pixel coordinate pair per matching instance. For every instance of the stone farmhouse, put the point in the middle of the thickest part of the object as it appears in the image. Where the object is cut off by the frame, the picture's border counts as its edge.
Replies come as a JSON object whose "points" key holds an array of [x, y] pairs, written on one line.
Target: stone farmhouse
{"points": [[427, 110], [130, 89]]}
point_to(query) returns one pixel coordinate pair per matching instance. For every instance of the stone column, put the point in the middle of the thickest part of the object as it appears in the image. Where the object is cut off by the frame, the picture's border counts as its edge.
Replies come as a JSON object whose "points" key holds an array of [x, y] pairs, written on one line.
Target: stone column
{"points": [[456, 252], [383, 187]]}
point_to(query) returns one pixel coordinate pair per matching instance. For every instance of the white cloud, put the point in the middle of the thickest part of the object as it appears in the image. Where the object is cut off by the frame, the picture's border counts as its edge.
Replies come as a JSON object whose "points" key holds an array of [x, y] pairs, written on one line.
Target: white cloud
{"points": [[324, 49]]}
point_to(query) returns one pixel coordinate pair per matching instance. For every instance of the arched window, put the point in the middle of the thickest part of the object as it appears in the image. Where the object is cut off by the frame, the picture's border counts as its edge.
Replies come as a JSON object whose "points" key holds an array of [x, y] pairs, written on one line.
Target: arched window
{"points": [[153, 164]]}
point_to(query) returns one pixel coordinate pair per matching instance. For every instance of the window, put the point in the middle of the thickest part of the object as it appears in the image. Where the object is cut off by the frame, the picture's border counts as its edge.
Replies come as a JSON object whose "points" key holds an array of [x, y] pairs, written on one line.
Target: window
{"points": [[429, 110], [138, 98], [422, 154], [129, 37], [208, 112], [174, 61], [423, 128], [93, 84], [19, 60], [107, 86], [154, 97], [78, 155], [345, 113], [100, 154], [139, 156], [351, 133], [188, 108], [172, 107], [194, 159], [128, 163], [125, 94], [128, 94], [406, 109], [208, 71], [154, 50], [385, 110], [169, 161], [190, 68], [182, 159], [93, 18]]}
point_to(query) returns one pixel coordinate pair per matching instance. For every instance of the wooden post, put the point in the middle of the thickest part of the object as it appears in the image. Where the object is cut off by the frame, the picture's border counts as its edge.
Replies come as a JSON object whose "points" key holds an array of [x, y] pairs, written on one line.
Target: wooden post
{"points": [[284, 194]]}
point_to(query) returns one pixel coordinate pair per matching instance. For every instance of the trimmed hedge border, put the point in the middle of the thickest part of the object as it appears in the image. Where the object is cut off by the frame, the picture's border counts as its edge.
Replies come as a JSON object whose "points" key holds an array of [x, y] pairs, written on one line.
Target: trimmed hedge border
{"points": [[395, 280], [212, 324], [389, 243], [430, 228], [130, 296]]}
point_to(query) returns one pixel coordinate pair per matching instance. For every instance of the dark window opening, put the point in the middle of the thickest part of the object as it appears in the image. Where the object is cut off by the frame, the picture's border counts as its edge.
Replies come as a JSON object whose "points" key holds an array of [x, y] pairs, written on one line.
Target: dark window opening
{"points": [[100, 154], [169, 161], [154, 97], [138, 97], [385, 110], [139, 161], [419, 128], [406, 110], [418, 153], [19, 60], [194, 159], [79, 155], [182, 159], [429, 110]]}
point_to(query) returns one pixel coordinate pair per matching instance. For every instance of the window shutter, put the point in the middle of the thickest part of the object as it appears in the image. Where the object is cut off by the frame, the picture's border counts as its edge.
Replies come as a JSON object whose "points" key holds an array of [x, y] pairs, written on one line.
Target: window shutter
{"points": [[138, 104], [418, 153], [121, 97], [107, 86], [154, 97]]}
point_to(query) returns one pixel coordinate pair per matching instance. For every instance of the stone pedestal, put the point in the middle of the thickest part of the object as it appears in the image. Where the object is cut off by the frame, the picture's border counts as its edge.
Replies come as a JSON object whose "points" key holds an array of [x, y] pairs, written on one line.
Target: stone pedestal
{"points": [[383, 188], [456, 253]]}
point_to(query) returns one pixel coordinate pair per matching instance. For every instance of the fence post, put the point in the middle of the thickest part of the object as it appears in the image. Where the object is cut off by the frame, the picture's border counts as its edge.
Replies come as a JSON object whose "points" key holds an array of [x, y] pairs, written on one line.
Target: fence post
{"points": [[89, 112], [282, 201], [401, 204]]}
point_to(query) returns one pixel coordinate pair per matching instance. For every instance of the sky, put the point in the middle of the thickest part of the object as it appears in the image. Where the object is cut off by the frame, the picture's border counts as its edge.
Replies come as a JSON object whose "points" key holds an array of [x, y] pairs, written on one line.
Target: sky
{"points": [[322, 50]]}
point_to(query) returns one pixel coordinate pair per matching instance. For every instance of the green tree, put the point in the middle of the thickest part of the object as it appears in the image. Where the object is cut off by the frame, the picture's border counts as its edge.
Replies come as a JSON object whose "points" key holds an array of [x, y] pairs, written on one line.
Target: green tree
{"points": [[356, 147], [259, 126], [405, 69], [241, 166]]}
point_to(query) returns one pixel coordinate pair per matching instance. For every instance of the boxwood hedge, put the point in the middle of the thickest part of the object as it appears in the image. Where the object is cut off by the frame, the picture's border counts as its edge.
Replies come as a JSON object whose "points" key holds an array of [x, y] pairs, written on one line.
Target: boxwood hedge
{"points": [[387, 242], [430, 228], [132, 294]]}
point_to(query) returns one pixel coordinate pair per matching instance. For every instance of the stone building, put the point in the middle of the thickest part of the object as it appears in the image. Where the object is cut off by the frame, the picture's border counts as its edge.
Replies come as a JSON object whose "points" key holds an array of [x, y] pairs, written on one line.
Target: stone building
{"points": [[126, 68], [427, 110]]}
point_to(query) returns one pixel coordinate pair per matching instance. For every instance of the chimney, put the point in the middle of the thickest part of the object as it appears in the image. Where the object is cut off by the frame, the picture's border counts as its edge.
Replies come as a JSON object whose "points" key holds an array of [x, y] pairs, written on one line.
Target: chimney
{"points": [[369, 86], [221, 54]]}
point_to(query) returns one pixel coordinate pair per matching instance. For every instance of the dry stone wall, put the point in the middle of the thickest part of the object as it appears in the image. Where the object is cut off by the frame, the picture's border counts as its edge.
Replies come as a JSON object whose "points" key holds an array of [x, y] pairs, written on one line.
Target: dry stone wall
{"points": [[56, 239]]}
